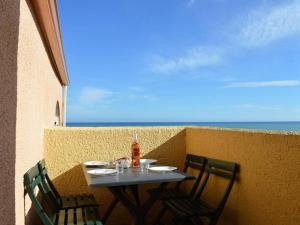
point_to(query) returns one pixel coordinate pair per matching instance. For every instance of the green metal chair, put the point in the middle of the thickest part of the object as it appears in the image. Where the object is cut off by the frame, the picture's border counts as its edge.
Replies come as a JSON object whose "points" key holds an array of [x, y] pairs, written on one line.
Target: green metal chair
{"points": [[64, 202], [46, 212], [195, 210], [192, 162]]}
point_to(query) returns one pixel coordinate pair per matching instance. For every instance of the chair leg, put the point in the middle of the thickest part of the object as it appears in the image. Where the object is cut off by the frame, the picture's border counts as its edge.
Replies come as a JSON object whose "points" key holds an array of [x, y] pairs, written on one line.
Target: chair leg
{"points": [[160, 216]]}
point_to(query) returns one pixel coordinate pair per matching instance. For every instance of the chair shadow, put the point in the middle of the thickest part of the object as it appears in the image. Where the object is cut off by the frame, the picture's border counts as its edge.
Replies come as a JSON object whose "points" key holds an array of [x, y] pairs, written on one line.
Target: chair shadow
{"points": [[31, 217]]}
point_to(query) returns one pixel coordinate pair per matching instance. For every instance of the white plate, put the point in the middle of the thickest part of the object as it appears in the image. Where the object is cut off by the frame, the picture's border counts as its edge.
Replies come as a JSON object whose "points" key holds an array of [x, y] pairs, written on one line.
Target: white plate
{"points": [[101, 172], [95, 163], [150, 161], [162, 168]]}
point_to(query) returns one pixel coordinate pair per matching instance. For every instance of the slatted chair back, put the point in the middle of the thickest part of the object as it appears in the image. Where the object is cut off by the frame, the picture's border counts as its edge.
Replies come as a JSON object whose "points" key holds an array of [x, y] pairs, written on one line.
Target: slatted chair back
{"points": [[33, 180], [219, 168], [54, 196], [197, 163]]}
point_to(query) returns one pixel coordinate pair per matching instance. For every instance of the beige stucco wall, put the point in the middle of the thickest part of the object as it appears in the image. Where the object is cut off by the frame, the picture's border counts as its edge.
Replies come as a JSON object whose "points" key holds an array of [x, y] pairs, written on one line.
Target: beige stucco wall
{"points": [[268, 191], [66, 148], [29, 91]]}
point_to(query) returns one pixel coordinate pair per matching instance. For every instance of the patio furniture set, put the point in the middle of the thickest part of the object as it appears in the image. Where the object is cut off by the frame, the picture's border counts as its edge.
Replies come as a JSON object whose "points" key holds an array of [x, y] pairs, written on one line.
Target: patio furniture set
{"points": [[186, 206]]}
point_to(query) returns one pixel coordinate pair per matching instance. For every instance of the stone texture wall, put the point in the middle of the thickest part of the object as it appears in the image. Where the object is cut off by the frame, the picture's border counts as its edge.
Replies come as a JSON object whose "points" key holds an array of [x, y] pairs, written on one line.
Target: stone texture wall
{"points": [[66, 148], [268, 191]]}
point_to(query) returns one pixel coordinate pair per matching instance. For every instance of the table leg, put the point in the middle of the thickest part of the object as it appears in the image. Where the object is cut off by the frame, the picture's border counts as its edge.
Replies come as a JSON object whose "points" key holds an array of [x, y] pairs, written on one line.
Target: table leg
{"points": [[154, 197], [137, 210], [118, 193], [110, 209], [135, 192], [111, 206]]}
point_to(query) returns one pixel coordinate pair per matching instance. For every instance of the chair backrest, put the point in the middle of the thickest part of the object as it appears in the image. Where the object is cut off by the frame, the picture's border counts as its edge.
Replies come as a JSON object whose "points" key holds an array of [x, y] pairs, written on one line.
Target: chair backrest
{"points": [[197, 163], [219, 168], [33, 179], [49, 186], [44, 172]]}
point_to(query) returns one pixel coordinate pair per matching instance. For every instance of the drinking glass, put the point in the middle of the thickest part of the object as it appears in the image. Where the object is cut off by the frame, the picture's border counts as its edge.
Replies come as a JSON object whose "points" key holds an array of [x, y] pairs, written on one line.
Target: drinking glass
{"points": [[119, 166], [147, 166], [144, 167]]}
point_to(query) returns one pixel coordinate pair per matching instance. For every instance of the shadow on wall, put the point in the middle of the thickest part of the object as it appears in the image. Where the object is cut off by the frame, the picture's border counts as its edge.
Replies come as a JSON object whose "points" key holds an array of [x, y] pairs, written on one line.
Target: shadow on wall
{"points": [[172, 152], [267, 191], [31, 216], [9, 32]]}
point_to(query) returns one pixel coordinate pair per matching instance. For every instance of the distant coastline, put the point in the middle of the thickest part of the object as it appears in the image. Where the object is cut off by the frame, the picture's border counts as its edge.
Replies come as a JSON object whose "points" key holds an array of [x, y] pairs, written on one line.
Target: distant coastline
{"points": [[281, 126]]}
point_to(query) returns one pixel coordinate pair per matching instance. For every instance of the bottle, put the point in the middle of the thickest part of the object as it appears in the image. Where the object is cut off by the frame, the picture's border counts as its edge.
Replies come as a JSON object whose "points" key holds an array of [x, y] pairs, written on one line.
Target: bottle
{"points": [[135, 153]]}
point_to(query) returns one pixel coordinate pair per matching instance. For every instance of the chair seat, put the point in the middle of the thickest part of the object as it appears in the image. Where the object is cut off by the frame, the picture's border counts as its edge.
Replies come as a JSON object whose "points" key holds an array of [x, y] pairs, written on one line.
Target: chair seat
{"points": [[75, 201], [186, 207], [169, 193], [77, 216]]}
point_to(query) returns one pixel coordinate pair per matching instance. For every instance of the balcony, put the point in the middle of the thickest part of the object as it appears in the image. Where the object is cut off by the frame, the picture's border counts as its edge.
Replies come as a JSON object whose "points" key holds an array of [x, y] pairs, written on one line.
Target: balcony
{"points": [[267, 190]]}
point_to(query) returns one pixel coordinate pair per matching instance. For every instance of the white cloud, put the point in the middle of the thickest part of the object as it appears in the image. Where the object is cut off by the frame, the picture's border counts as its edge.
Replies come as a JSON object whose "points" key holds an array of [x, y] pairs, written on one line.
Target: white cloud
{"points": [[93, 103], [259, 107], [136, 89], [265, 25], [194, 58], [138, 93], [225, 78], [90, 102], [278, 83], [260, 27], [141, 97], [94, 95]]}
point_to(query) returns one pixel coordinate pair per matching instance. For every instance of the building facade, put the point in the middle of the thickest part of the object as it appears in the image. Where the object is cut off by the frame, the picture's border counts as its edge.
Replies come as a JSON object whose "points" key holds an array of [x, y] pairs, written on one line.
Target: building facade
{"points": [[33, 80]]}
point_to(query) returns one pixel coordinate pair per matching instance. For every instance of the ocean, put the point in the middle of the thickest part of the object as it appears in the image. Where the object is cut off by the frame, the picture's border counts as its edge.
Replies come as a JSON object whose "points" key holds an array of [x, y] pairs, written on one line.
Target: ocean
{"points": [[274, 126]]}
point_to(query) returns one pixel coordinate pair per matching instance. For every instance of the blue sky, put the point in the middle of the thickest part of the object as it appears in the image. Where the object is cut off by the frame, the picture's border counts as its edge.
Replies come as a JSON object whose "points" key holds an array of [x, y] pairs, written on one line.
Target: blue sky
{"points": [[182, 60]]}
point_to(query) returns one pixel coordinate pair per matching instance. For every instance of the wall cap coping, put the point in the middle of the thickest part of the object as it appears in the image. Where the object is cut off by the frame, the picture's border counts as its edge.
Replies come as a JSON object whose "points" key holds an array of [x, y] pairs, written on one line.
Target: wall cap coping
{"points": [[176, 127]]}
